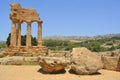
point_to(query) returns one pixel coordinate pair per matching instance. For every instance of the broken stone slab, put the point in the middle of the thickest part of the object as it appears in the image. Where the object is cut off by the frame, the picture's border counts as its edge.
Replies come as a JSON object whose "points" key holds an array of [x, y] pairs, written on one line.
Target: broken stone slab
{"points": [[52, 64]]}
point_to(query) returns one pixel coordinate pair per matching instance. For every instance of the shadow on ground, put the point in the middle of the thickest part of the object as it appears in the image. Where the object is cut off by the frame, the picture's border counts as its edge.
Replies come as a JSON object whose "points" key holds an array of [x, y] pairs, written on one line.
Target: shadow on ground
{"points": [[58, 72], [73, 72]]}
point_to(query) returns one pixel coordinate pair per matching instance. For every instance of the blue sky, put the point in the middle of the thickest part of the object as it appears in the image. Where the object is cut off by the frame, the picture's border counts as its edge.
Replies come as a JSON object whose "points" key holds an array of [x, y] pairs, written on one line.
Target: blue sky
{"points": [[67, 17]]}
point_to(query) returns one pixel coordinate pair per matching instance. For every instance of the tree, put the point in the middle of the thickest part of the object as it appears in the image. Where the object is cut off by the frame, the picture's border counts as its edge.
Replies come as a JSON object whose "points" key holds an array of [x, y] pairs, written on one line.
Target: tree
{"points": [[23, 40], [34, 41], [8, 39]]}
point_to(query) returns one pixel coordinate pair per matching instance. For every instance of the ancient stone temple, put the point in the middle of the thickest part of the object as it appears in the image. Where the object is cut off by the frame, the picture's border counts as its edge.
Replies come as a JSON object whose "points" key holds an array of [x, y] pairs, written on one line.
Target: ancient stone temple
{"points": [[19, 15]]}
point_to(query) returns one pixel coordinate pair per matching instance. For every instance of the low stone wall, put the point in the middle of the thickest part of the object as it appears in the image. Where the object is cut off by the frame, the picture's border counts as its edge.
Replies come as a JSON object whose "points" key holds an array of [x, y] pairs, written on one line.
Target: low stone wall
{"points": [[110, 53], [33, 50], [59, 53], [19, 60]]}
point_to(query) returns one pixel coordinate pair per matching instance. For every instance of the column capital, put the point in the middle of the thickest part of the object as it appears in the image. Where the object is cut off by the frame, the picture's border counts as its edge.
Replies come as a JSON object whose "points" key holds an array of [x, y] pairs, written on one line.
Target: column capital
{"points": [[13, 22], [20, 22], [39, 21], [29, 23]]}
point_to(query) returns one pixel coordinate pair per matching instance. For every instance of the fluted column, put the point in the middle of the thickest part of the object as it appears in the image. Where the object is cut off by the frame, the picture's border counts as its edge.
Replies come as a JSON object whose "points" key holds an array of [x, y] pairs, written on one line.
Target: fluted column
{"points": [[40, 33], [13, 35], [19, 35], [28, 35]]}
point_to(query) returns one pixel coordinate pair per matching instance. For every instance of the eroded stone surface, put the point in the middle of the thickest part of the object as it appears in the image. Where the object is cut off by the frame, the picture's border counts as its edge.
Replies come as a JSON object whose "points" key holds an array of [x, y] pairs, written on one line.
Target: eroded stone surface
{"points": [[111, 63], [19, 14], [85, 62], [52, 64]]}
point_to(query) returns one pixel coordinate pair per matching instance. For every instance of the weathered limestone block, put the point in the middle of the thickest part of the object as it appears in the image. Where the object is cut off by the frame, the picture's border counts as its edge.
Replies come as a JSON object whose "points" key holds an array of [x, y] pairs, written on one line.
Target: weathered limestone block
{"points": [[85, 62], [52, 64], [111, 63]]}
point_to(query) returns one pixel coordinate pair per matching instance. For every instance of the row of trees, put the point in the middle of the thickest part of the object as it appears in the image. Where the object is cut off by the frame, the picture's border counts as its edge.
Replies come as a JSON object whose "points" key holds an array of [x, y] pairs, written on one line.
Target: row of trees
{"points": [[3, 45], [23, 40], [93, 45]]}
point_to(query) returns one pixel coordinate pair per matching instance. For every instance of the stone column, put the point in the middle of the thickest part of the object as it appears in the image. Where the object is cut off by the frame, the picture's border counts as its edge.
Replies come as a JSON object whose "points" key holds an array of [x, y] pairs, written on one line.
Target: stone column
{"points": [[19, 35], [13, 35], [40, 33], [28, 35]]}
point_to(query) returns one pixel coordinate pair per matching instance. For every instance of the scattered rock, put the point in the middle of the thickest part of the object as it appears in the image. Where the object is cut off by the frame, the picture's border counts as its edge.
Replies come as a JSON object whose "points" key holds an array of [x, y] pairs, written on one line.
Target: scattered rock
{"points": [[52, 64], [85, 62]]}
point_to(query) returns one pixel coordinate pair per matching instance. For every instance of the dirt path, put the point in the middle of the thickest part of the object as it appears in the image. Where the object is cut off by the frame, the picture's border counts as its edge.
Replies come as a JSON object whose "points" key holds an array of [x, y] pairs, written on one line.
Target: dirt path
{"points": [[33, 73]]}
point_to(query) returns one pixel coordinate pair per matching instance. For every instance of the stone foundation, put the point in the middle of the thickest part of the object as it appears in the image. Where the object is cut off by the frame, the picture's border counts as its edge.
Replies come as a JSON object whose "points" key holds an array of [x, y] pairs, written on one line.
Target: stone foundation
{"points": [[33, 50]]}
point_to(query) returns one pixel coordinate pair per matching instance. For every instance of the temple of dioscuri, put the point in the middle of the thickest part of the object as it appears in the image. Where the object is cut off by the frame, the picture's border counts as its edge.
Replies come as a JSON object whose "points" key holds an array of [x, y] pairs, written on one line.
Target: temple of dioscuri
{"points": [[19, 15]]}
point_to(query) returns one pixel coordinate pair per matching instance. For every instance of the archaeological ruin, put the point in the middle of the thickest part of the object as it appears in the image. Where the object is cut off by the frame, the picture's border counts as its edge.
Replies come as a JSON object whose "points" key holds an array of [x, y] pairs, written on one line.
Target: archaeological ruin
{"points": [[19, 15]]}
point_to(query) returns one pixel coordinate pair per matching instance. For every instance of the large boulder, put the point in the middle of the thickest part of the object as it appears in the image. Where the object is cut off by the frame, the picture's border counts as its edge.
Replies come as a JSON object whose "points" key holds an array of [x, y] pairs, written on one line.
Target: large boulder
{"points": [[52, 64], [111, 63], [85, 62]]}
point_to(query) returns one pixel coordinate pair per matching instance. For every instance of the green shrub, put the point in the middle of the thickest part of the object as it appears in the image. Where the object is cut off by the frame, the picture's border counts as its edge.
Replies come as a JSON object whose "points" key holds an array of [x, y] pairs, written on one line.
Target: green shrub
{"points": [[1, 56]]}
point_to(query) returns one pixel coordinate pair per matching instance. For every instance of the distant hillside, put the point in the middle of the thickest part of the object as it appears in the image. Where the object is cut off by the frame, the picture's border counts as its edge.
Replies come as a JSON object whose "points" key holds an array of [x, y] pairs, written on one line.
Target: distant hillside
{"points": [[2, 41], [96, 43], [107, 36], [81, 38], [68, 37]]}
